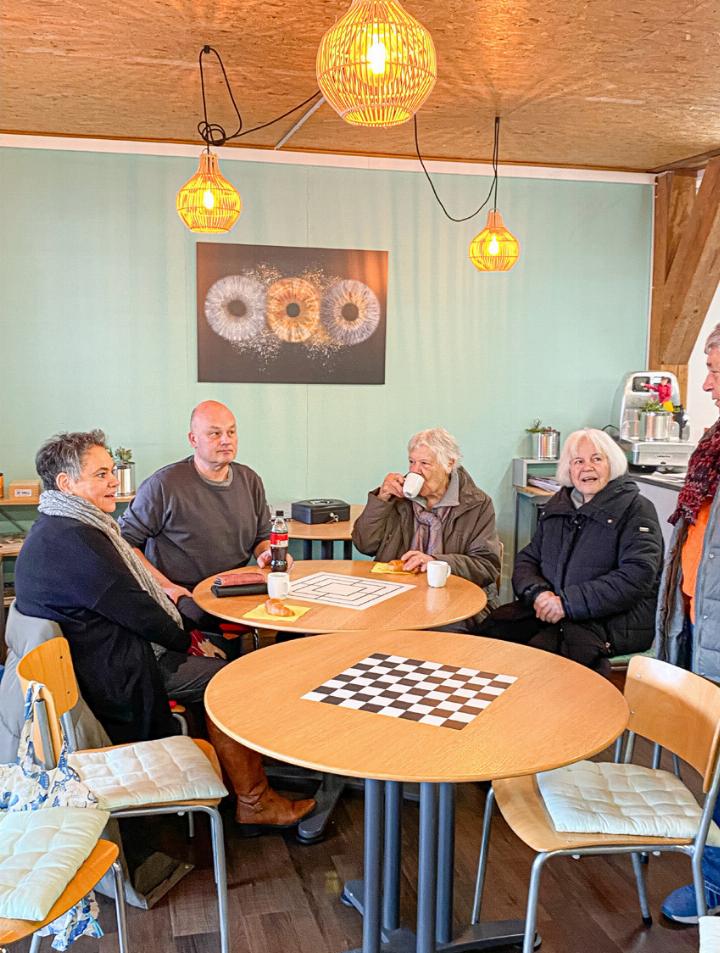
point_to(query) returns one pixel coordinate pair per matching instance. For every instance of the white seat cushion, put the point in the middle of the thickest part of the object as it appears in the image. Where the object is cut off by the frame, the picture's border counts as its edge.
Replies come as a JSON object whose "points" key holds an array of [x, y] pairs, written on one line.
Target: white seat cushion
{"points": [[601, 798], [40, 853], [709, 934], [149, 772]]}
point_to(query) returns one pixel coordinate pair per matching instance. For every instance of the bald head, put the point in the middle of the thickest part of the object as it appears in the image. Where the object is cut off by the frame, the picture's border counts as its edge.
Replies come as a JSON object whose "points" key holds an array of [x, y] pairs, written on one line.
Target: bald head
{"points": [[206, 410], [213, 437]]}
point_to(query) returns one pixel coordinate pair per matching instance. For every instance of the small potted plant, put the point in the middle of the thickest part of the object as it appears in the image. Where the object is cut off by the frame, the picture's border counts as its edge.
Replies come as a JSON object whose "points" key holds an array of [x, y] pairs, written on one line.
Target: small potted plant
{"points": [[125, 469], [545, 441]]}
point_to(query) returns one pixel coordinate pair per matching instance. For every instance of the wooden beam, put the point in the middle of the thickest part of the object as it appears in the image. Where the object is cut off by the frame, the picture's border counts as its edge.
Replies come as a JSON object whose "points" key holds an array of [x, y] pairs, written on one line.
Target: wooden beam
{"points": [[674, 199], [694, 163], [682, 200], [663, 186], [694, 274]]}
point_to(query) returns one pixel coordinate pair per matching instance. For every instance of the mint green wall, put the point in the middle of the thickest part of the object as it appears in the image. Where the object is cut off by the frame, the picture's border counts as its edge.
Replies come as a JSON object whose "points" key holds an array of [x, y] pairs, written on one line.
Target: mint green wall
{"points": [[97, 292]]}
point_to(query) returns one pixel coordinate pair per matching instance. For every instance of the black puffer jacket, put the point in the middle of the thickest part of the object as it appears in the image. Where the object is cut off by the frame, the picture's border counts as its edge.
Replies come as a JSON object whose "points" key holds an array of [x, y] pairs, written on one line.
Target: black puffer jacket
{"points": [[603, 560]]}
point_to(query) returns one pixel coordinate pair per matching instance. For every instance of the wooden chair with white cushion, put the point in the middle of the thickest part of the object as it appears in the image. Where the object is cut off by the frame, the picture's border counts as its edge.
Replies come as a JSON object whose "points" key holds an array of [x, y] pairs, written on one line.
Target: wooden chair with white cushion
{"points": [[43, 874], [175, 775], [622, 808]]}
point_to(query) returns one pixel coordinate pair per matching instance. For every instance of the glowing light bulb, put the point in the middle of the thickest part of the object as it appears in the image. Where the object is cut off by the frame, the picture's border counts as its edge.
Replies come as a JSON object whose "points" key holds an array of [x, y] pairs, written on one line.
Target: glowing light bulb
{"points": [[493, 247], [377, 56], [208, 199]]}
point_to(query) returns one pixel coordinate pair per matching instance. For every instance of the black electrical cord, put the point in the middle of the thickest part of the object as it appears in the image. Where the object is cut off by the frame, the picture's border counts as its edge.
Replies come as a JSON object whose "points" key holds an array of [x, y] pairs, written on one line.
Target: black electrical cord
{"points": [[496, 154], [212, 133], [493, 184], [284, 115]]}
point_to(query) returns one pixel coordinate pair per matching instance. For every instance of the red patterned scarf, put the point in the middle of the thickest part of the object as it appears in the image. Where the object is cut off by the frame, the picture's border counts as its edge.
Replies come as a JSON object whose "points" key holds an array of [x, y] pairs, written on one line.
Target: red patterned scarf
{"points": [[702, 478]]}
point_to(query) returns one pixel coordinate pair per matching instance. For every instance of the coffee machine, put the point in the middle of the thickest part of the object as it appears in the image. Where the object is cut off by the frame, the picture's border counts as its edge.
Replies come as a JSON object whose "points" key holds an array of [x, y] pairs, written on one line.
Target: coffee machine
{"points": [[651, 434]]}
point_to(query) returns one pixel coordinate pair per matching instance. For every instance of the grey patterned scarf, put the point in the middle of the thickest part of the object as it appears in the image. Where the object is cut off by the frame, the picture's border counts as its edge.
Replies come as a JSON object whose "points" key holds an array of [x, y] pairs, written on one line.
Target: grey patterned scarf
{"points": [[55, 503], [429, 525]]}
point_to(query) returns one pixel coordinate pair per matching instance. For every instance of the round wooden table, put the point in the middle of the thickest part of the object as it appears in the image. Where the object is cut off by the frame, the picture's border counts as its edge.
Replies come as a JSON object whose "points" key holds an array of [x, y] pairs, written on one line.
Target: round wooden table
{"points": [[556, 712], [419, 608], [326, 533]]}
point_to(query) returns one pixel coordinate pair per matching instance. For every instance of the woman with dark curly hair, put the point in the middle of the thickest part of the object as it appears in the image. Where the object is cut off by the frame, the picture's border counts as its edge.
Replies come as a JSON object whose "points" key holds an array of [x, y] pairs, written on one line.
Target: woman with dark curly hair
{"points": [[128, 641]]}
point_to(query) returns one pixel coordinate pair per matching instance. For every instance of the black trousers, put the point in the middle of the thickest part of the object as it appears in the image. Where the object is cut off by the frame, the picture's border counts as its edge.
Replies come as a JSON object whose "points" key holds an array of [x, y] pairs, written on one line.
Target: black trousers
{"points": [[582, 642]]}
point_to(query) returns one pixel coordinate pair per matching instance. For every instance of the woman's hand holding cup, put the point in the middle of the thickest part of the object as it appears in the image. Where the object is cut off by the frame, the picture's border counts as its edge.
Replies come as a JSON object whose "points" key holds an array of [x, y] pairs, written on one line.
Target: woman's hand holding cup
{"points": [[392, 485]]}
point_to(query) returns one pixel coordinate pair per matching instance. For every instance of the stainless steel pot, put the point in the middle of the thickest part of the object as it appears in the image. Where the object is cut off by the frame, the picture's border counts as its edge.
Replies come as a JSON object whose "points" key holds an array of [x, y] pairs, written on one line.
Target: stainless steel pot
{"points": [[126, 475], [545, 444], [655, 425]]}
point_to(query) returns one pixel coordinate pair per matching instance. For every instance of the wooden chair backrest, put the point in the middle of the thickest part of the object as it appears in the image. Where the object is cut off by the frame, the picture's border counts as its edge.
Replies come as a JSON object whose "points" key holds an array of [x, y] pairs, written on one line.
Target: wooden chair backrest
{"points": [[51, 665], [676, 709], [498, 580]]}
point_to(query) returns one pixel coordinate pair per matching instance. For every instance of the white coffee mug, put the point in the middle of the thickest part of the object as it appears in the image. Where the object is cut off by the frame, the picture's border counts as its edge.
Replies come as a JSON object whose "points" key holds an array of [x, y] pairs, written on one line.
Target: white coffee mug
{"points": [[278, 584], [412, 485], [437, 573]]}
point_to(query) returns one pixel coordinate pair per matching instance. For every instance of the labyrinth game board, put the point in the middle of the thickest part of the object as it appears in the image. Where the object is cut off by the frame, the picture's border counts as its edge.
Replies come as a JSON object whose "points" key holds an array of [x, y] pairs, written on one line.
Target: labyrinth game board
{"points": [[347, 592], [414, 689]]}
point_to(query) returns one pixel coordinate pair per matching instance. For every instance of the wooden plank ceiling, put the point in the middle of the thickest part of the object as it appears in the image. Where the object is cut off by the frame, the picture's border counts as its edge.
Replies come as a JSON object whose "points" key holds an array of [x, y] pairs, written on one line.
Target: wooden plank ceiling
{"points": [[597, 83]]}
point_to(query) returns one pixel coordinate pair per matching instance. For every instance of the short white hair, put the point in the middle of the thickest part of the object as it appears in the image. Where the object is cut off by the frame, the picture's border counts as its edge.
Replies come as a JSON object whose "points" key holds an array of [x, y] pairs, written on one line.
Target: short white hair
{"points": [[713, 339], [602, 442], [443, 445]]}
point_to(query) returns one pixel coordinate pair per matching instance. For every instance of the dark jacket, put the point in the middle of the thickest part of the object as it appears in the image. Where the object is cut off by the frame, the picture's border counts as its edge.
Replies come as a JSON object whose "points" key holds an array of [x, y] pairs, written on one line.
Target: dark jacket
{"points": [[603, 560], [471, 545], [72, 574]]}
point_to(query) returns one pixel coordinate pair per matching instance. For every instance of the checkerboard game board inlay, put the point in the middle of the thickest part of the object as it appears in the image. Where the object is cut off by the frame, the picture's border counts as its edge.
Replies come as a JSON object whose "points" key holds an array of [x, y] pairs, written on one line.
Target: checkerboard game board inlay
{"points": [[414, 689]]}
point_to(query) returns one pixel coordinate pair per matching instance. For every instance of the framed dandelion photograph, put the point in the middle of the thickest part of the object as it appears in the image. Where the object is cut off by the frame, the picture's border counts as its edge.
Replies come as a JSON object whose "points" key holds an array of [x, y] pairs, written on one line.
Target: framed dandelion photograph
{"points": [[266, 313]]}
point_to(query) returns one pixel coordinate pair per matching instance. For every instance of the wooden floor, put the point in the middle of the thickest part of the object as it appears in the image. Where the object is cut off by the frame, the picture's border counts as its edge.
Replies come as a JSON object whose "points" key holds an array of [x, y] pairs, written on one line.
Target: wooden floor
{"points": [[285, 897]]}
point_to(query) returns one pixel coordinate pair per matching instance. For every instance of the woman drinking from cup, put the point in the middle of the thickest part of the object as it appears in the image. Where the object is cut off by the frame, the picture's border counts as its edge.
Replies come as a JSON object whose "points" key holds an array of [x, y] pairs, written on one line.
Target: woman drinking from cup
{"points": [[434, 512]]}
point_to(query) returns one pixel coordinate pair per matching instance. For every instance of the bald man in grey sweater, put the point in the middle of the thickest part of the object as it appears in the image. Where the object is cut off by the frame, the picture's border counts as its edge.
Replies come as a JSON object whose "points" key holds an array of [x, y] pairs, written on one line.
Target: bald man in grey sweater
{"points": [[202, 515]]}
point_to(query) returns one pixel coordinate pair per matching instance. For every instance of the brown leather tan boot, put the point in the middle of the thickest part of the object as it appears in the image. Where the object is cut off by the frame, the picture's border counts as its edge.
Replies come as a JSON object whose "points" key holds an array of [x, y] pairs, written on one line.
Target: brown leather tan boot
{"points": [[257, 804]]}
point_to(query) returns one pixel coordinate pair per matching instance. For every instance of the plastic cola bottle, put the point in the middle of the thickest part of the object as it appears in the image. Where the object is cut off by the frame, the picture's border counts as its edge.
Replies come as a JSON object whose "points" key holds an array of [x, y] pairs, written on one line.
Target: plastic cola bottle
{"points": [[279, 543]]}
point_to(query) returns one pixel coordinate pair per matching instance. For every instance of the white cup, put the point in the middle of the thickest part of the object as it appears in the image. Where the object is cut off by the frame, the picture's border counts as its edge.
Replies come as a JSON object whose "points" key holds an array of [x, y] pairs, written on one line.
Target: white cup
{"points": [[278, 584], [412, 485], [437, 573]]}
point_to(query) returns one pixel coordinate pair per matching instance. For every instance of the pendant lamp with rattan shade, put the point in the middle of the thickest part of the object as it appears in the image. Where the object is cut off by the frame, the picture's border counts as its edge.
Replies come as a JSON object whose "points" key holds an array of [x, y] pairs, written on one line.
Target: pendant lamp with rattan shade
{"points": [[495, 248], [376, 66], [208, 202]]}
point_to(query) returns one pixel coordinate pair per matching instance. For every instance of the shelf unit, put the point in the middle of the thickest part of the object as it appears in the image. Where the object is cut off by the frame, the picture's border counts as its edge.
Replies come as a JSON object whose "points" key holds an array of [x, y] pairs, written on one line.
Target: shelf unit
{"points": [[531, 495], [520, 467], [7, 502], [8, 550]]}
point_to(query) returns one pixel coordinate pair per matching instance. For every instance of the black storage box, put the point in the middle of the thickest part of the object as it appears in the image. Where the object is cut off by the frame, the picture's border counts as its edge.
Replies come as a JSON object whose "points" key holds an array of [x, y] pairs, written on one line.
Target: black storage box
{"points": [[320, 511]]}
